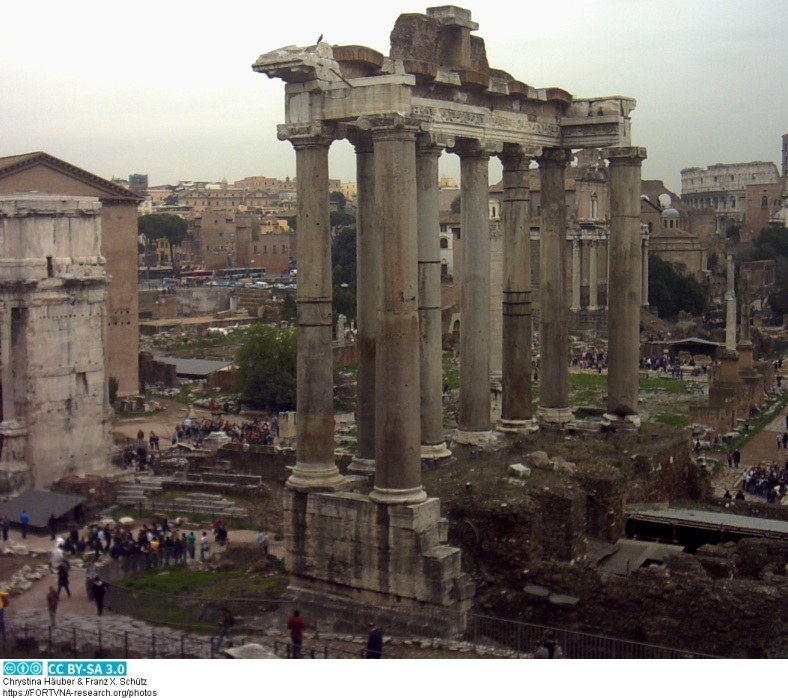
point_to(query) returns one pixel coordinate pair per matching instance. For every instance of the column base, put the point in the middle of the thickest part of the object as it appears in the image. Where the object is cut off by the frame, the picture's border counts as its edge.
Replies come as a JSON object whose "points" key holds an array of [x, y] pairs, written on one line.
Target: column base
{"points": [[473, 438], [435, 451], [382, 495], [351, 559], [362, 466], [316, 478], [518, 426], [631, 421], [555, 416]]}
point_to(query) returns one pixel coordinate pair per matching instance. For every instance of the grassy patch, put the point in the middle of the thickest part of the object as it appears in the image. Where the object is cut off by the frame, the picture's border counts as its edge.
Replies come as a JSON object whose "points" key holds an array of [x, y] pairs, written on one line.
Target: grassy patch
{"points": [[675, 387], [678, 421], [451, 371], [586, 388], [182, 581]]}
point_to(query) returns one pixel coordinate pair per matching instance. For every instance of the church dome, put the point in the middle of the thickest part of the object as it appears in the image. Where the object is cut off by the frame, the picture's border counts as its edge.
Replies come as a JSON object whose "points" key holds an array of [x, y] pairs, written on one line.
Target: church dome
{"points": [[670, 212]]}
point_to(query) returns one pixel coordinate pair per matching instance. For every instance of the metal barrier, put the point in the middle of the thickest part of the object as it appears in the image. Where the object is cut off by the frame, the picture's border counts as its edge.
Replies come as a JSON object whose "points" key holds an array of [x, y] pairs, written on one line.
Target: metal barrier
{"points": [[260, 619], [37, 639]]}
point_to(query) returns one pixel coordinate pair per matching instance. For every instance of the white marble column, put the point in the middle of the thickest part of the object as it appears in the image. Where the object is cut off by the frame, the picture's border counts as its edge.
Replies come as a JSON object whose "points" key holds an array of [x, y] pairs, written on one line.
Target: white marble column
{"points": [[315, 468], [368, 264], [554, 311], [644, 297], [730, 300], [593, 275], [576, 270], [397, 419], [433, 445], [625, 274], [516, 409], [474, 419], [9, 408]]}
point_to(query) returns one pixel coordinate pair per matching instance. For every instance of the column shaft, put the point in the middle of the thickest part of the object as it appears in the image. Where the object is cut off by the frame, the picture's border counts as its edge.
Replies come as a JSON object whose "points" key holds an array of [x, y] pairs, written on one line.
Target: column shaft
{"points": [[315, 467], [397, 420], [553, 322], [474, 407], [730, 308], [6, 358], [576, 271], [593, 276], [625, 276], [429, 265], [368, 279], [517, 328]]}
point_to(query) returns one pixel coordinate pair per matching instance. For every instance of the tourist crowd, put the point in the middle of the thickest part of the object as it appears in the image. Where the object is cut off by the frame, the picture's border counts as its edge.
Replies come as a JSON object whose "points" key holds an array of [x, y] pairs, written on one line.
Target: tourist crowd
{"points": [[766, 480]]}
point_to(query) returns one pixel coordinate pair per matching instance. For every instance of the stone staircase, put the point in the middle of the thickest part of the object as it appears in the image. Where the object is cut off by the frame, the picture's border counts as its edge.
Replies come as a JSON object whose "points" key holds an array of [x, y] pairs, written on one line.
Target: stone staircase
{"points": [[139, 490]]}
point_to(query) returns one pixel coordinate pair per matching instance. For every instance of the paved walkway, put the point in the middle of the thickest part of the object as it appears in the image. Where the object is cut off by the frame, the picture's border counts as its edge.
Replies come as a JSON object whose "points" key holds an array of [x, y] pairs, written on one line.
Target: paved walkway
{"points": [[28, 615], [761, 448]]}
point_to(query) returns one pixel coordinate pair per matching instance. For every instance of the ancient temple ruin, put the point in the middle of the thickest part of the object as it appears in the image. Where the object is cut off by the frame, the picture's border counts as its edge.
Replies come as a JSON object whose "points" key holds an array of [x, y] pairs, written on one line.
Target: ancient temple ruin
{"points": [[435, 91], [53, 313]]}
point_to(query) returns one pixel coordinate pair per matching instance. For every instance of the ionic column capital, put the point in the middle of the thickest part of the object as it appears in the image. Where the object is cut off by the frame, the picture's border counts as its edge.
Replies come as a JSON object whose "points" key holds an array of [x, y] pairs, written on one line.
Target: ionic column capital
{"points": [[514, 156], [619, 154], [314, 134], [360, 140], [432, 140], [475, 148], [388, 124], [554, 157]]}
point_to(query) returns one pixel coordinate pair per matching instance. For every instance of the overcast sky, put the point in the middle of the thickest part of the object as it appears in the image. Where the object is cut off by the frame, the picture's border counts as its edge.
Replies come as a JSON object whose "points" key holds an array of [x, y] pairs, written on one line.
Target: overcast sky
{"points": [[166, 87]]}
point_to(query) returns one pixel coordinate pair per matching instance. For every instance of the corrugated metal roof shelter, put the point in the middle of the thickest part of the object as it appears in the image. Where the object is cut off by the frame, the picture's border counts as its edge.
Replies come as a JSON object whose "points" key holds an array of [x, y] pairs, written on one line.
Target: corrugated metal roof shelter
{"points": [[41, 504], [629, 555], [194, 368], [713, 521]]}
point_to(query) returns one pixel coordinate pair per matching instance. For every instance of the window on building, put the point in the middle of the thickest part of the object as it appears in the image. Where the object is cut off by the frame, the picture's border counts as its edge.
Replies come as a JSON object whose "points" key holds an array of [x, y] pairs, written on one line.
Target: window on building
{"points": [[764, 201], [444, 243], [274, 246], [594, 207]]}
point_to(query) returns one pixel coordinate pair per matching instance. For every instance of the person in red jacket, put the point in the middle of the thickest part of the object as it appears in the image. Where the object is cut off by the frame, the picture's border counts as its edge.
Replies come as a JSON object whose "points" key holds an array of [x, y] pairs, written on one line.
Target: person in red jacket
{"points": [[296, 626]]}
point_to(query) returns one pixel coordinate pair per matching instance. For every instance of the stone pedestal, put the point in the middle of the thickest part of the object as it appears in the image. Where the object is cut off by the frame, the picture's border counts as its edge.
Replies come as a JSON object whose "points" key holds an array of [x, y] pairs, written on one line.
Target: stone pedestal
{"points": [[729, 367], [15, 473], [348, 550], [745, 351]]}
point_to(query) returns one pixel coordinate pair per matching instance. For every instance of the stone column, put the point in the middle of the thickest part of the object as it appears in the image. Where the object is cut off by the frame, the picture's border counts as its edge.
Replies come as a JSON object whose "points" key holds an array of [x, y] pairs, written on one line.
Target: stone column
{"points": [[593, 275], [397, 420], [517, 312], [644, 297], [576, 271], [553, 320], [315, 468], [474, 422], [625, 274], [730, 318], [9, 407], [368, 264], [428, 153]]}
